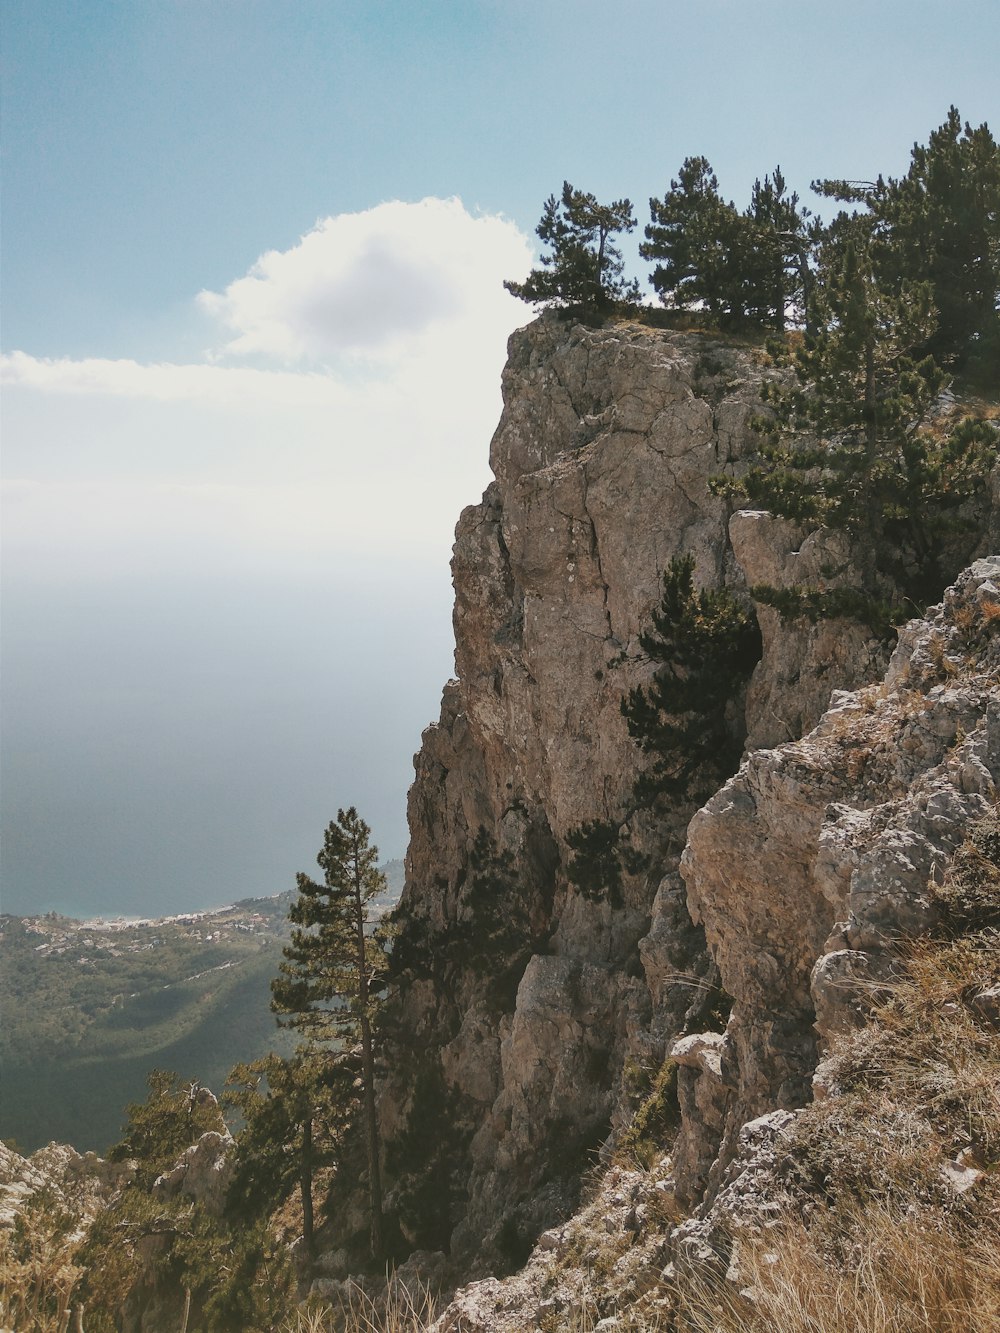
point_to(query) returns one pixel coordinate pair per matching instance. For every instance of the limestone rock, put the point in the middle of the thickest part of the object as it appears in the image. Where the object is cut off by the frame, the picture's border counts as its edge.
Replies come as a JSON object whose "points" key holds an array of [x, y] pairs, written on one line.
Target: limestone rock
{"points": [[810, 863], [802, 664], [81, 1182], [602, 460], [202, 1172], [515, 1021]]}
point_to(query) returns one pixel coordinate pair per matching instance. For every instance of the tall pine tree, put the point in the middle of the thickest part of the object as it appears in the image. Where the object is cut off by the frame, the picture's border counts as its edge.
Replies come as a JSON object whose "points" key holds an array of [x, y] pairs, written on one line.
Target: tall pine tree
{"points": [[774, 244], [940, 224], [705, 645], [583, 267], [850, 443], [739, 268], [328, 986], [692, 238], [294, 1113]]}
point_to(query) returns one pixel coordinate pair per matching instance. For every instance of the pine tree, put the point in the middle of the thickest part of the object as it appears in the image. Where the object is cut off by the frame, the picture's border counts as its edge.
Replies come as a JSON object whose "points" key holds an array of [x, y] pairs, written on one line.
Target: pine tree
{"points": [[705, 645], [583, 267], [692, 237], [174, 1115], [774, 244], [328, 987], [940, 224], [849, 444], [740, 268], [294, 1113]]}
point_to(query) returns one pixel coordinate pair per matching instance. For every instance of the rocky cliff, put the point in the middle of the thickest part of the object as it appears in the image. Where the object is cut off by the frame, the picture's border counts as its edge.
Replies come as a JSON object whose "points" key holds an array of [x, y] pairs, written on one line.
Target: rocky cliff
{"points": [[525, 1011], [816, 870]]}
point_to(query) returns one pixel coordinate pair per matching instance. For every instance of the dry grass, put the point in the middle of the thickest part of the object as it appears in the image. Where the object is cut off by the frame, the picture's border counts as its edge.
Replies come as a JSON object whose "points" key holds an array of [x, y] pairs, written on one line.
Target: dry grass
{"points": [[878, 1273], [897, 1177], [396, 1309], [38, 1274]]}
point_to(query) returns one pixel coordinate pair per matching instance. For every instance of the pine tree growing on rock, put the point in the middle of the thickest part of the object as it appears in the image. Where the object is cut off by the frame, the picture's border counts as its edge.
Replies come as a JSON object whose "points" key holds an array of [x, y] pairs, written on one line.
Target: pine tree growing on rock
{"points": [[705, 645], [849, 444], [583, 267], [940, 225], [328, 987]]}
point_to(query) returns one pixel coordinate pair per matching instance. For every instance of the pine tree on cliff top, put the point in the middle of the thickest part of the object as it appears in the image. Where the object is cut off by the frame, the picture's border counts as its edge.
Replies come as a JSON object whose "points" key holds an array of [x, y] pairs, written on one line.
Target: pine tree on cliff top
{"points": [[940, 224], [739, 268], [851, 445], [583, 267], [329, 985]]}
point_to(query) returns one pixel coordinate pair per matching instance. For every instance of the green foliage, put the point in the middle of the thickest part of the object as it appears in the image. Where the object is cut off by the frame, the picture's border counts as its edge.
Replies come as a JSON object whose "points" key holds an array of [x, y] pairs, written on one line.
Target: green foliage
{"points": [[705, 645], [87, 1011], [595, 867], [328, 984], [174, 1115], [236, 1274], [813, 604], [240, 1274], [583, 267], [775, 242], [294, 1115], [331, 982], [421, 1158], [656, 1118], [740, 268], [499, 925], [875, 468], [690, 237], [939, 225]]}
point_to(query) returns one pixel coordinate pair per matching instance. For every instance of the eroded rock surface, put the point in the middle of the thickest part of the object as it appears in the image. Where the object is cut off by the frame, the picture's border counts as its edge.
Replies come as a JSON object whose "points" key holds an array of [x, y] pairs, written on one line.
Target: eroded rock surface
{"points": [[602, 460], [518, 1019], [523, 1007], [812, 863]]}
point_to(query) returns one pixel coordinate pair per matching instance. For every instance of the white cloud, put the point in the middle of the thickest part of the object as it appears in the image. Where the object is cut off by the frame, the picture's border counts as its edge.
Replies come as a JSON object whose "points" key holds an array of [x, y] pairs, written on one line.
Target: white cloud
{"points": [[373, 283], [167, 381], [369, 435]]}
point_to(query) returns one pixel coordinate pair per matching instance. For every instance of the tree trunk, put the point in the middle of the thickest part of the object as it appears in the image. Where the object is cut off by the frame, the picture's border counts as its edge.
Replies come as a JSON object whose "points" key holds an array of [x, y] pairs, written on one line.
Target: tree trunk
{"points": [[371, 1127], [368, 1068], [305, 1189]]}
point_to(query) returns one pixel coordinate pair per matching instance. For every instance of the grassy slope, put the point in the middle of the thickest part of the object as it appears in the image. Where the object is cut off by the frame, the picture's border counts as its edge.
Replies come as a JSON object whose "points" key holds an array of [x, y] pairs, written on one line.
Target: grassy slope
{"points": [[78, 1037], [79, 1096]]}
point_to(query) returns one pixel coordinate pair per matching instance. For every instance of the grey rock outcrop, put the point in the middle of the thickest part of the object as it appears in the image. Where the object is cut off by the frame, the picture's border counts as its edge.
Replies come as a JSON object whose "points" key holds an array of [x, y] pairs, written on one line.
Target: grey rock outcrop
{"points": [[808, 868], [602, 461], [202, 1172], [812, 863], [82, 1183], [524, 1008]]}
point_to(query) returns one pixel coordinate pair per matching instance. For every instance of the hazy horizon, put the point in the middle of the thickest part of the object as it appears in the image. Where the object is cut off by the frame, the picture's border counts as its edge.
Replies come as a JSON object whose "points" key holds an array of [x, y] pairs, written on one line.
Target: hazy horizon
{"points": [[254, 326]]}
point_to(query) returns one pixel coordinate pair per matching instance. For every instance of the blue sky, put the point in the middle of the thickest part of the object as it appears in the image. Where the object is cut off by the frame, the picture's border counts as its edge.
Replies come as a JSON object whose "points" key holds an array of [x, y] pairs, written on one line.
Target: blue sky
{"points": [[253, 325]]}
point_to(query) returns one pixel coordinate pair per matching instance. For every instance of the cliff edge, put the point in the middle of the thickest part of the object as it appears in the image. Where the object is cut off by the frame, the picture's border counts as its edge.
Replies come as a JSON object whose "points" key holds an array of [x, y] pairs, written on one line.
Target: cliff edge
{"points": [[526, 1012]]}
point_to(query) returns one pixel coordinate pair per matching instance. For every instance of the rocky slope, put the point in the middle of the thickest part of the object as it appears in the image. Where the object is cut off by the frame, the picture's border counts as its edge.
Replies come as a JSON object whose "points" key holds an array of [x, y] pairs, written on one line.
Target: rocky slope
{"points": [[525, 1010], [808, 869]]}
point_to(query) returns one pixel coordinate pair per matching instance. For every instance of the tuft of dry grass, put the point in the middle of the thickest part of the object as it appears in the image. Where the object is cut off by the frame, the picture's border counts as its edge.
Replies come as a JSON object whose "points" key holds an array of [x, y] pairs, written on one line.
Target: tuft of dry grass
{"points": [[38, 1268], [398, 1308], [873, 1271], [897, 1176]]}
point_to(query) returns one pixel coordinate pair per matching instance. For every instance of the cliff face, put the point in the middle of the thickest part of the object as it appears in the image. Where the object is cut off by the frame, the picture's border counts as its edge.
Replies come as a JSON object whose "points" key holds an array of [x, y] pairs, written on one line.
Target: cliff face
{"points": [[810, 866], [520, 1000]]}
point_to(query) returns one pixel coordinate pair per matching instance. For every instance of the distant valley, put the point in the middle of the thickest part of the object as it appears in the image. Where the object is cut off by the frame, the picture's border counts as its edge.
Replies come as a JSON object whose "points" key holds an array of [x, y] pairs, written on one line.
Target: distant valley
{"points": [[89, 1007]]}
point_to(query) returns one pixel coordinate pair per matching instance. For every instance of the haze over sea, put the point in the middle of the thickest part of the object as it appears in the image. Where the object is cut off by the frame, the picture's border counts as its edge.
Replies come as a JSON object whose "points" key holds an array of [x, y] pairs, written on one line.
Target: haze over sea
{"points": [[254, 325]]}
